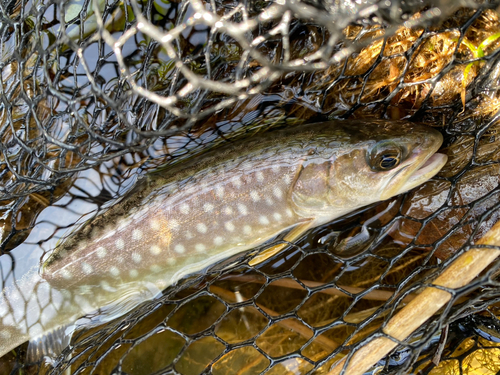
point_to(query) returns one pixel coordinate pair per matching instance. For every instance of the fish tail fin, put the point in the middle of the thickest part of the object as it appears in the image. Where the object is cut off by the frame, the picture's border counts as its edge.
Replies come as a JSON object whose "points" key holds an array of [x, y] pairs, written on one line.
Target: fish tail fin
{"points": [[15, 314]]}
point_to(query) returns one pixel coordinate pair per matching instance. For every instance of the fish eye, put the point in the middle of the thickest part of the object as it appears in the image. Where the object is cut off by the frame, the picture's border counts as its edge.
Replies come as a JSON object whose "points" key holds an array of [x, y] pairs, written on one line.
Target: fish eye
{"points": [[388, 161], [384, 157]]}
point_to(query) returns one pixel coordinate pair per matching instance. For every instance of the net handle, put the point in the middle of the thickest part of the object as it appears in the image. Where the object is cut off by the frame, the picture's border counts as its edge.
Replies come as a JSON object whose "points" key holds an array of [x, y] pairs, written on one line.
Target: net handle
{"points": [[458, 274]]}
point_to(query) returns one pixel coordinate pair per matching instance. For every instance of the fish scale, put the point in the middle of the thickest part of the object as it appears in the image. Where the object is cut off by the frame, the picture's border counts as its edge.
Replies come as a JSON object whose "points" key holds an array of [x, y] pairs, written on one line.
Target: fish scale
{"points": [[184, 218], [169, 230]]}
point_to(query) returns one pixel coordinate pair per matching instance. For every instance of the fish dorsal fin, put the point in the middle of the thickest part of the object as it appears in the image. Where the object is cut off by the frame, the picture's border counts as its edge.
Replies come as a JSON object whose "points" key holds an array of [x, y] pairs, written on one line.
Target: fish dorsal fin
{"points": [[50, 344]]}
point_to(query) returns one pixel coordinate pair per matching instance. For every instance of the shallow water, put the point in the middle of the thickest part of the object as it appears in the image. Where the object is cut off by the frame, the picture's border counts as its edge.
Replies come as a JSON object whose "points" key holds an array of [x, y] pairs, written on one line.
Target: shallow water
{"points": [[253, 296]]}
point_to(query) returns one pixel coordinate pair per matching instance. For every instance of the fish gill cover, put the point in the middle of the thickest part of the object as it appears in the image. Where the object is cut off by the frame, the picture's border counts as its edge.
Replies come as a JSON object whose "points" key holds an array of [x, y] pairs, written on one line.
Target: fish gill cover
{"points": [[95, 93]]}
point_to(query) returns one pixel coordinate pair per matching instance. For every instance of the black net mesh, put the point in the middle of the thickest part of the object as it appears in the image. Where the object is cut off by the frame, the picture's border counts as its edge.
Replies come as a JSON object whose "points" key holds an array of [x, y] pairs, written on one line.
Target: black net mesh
{"points": [[95, 93]]}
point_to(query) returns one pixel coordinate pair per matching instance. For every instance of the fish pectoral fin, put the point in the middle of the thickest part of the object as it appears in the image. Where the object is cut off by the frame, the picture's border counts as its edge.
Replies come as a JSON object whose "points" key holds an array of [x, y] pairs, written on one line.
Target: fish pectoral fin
{"points": [[291, 236], [50, 344], [128, 297]]}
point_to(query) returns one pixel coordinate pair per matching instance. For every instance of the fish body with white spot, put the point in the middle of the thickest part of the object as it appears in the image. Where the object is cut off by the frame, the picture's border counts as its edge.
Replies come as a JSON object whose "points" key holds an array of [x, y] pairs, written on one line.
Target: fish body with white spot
{"points": [[180, 220]]}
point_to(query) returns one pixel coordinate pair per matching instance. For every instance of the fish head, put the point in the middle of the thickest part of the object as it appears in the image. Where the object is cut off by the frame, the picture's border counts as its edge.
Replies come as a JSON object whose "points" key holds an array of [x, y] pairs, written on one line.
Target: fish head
{"points": [[361, 163]]}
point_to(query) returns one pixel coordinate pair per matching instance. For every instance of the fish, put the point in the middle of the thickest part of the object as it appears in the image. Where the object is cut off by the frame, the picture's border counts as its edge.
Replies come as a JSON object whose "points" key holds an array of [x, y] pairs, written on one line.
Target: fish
{"points": [[181, 219]]}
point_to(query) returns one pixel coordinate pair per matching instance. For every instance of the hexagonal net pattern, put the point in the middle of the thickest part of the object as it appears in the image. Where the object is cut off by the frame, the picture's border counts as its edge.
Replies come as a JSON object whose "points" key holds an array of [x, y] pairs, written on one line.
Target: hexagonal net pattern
{"points": [[95, 93]]}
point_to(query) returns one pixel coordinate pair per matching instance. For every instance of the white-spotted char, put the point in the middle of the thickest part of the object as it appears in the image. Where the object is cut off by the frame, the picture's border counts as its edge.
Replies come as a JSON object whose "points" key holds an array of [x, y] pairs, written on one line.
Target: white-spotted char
{"points": [[180, 220]]}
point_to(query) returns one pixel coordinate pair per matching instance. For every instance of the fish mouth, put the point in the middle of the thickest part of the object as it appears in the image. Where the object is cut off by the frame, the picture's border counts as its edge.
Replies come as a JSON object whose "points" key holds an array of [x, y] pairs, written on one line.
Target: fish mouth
{"points": [[420, 174], [428, 169]]}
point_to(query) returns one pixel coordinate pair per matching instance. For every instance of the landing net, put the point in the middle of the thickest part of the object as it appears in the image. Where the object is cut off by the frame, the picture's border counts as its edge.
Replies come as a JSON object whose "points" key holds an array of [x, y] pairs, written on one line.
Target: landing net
{"points": [[95, 93]]}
